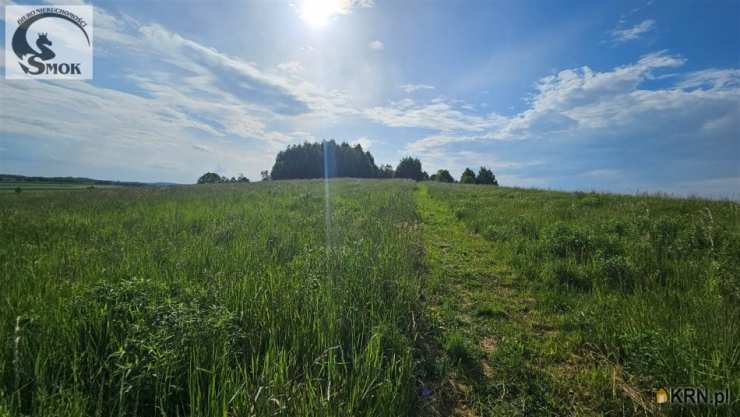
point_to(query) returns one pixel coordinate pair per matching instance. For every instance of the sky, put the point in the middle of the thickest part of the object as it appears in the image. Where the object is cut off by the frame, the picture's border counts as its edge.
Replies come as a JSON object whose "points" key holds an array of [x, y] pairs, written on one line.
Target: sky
{"points": [[619, 96]]}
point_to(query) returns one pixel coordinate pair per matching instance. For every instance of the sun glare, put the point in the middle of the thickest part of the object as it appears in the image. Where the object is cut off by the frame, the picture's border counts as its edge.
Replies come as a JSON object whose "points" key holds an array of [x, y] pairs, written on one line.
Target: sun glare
{"points": [[318, 13]]}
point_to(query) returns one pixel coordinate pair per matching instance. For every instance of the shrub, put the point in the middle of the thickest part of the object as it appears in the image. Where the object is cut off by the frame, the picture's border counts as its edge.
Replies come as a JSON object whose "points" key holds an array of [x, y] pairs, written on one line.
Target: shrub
{"points": [[210, 178], [564, 241]]}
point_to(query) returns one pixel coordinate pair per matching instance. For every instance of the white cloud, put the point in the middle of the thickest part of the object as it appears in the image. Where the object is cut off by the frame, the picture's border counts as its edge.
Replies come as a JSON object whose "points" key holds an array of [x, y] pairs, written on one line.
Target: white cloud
{"points": [[457, 160], [588, 104], [410, 88], [439, 114], [364, 142], [634, 32], [437, 141], [291, 67], [201, 101], [712, 79], [376, 45], [111, 130]]}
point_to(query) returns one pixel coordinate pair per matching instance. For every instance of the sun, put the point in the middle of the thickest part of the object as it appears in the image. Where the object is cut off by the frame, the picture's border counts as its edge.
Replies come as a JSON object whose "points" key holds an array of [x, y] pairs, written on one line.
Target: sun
{"points": [[318, 13]]}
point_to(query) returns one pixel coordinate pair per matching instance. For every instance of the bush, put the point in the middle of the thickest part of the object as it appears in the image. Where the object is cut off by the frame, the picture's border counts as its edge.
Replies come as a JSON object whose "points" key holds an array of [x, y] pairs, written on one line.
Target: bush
{"points": [[210, 178], [563, 241]]}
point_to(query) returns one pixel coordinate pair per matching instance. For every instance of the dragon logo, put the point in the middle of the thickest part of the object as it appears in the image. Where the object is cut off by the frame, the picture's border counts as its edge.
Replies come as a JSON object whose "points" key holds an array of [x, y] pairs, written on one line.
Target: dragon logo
{"points": [[43, 43], [40, 60]]}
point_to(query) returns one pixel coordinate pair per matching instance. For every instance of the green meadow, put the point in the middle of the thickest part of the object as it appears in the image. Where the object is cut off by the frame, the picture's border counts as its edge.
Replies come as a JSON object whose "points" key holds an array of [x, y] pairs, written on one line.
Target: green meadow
{"points": [[363, 298]]}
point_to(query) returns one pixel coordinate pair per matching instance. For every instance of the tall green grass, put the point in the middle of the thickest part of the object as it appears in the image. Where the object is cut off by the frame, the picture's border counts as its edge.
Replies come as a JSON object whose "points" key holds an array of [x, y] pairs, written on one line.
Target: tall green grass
{"points": [[651, 284], [225, 300]]}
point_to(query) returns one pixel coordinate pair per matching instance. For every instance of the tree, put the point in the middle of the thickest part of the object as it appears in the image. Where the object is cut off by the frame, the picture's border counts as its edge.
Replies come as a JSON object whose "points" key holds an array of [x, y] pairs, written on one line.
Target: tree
{"points": [[386, 171], [265, 175], [326, 159], [467, 177], [443, 175], [409, 168], [210, 178], [485, 177], [242, 178]]}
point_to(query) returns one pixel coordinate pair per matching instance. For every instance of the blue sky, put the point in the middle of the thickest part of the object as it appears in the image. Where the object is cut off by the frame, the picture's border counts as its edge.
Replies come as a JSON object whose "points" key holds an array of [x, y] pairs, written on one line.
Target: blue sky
{"points": [[618, 96]]}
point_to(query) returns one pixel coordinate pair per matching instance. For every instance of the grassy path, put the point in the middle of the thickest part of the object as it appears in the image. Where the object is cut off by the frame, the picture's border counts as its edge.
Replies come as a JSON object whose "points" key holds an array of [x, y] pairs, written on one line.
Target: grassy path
{"points": [[495, 350]]}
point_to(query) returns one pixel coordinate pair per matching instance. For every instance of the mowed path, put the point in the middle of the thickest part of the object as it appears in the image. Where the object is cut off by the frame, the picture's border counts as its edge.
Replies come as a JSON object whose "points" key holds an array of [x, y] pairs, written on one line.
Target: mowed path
{"points": [[491, 348]]}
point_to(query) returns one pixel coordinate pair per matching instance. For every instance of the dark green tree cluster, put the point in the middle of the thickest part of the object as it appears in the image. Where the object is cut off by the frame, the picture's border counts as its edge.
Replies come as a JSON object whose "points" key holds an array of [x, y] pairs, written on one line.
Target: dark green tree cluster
{"points": [[314, 160], [485, 177], [442, 175], [213, 178], [329, 159], [410, 168]]}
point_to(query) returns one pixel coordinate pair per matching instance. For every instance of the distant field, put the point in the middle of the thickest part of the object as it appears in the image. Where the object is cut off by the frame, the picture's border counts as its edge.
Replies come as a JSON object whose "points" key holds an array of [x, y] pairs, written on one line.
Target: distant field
{"points": [[47, 186], [389, 298]]}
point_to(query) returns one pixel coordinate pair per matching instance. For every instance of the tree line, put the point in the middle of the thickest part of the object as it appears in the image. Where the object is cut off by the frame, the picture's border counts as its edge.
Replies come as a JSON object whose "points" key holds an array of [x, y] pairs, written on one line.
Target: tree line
{"points": [[329, 159], [213, 178]]}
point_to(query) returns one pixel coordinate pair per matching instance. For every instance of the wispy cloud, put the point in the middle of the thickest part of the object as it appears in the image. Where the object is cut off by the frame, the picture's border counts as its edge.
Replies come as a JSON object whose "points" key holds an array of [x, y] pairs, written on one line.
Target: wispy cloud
{"points": [[291, 67], [634, 32], [438, 114], [586, 103], [172, 116], [410, 88], [582, 111]]}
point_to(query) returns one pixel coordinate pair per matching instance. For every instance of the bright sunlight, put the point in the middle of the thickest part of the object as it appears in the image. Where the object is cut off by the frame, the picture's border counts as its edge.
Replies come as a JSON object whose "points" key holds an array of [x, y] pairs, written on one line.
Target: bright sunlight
{"points": [[318, 13]]}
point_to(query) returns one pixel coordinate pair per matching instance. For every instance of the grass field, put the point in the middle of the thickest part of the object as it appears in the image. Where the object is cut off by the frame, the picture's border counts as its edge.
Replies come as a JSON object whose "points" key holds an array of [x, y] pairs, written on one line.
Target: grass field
{"points": [[582, 303], [389, 298]]}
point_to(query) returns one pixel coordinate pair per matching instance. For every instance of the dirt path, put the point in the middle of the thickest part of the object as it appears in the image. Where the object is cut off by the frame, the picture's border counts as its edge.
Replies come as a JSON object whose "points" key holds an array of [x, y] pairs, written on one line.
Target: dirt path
{"points": [[491, 350]]}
